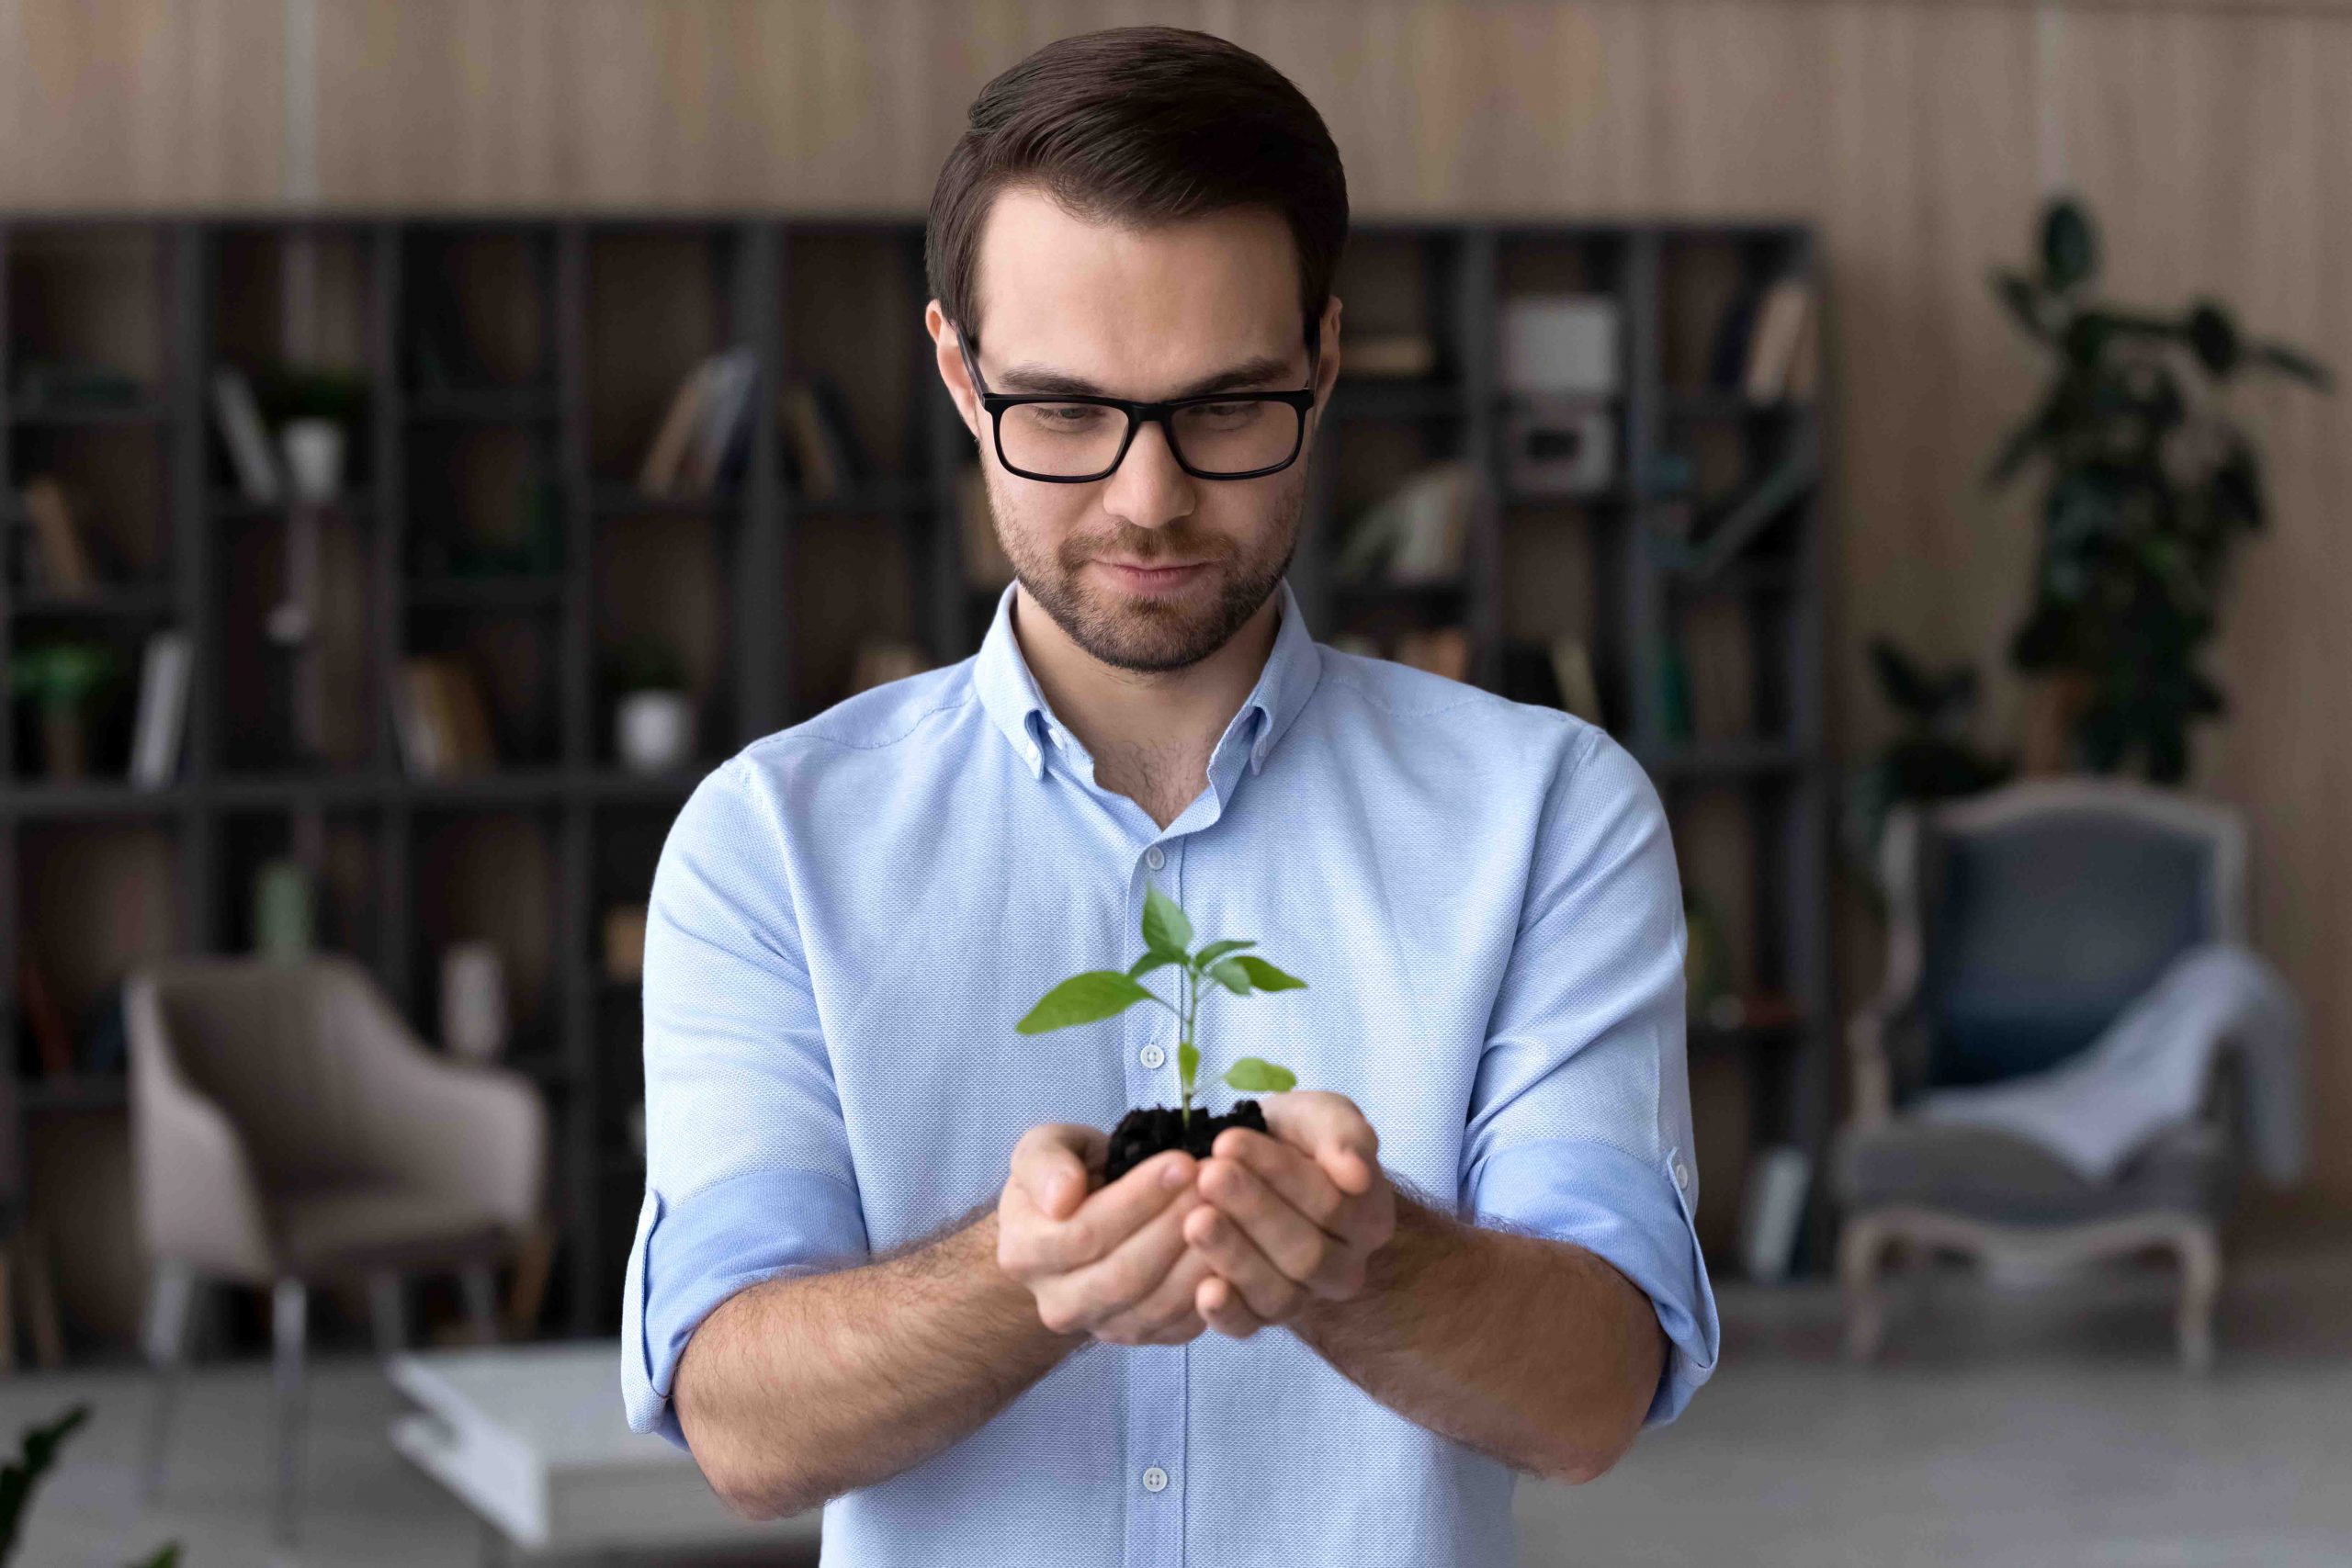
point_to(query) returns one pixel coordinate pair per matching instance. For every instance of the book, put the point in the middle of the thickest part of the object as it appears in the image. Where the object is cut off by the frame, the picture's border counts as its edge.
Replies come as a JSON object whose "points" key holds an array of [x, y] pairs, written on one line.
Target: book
{"points": [[476, 744], [163, 708], [1780, 322], [45, 1020], [64, 565], [718, 419], [414, 720], [658, 474], [820, 453], [1572, 668], [1416, 533], [241, 431], [442, 718]]}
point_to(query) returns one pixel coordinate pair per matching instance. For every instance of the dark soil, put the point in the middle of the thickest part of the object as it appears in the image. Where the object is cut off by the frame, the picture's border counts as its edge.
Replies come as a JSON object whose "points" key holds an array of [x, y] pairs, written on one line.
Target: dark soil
{"points": [[1142, 1133]]}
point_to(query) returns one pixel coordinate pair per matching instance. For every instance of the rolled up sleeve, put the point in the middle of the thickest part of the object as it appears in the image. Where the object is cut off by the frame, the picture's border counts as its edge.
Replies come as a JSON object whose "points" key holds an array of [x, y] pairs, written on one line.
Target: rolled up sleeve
{"points": [[748, 1174], [1579, 1123]]}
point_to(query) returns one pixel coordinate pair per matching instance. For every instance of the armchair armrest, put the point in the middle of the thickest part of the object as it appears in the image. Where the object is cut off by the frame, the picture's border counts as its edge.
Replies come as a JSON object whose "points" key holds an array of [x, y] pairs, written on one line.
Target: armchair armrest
{"points": [[477, 1132], [1866, 1033], [199, 1202]]}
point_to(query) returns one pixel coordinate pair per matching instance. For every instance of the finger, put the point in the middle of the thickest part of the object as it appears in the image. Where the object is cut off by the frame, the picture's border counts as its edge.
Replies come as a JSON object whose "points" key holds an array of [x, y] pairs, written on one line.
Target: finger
{"points": [[1222, 1308], [1302, 1251], [1303, 1184], [1331, 1130], [1054, 1163], [1088, 1296], [1269, 1294], [1166, 1315], [1033, 1244]]}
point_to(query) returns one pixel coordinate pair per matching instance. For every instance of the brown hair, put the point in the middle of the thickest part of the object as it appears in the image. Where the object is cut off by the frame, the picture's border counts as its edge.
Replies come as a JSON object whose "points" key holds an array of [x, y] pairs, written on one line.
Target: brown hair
{"points": [[1141, 126]]}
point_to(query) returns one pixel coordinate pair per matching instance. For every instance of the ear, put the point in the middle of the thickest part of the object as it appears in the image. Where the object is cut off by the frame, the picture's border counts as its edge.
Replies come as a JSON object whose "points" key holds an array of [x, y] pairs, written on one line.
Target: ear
{"points": [[949, 357], [1327, 368]]}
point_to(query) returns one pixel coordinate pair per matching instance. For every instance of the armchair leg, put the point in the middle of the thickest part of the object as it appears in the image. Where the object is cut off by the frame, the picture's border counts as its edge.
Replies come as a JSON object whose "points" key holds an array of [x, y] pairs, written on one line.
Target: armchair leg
{"points": [[2200, 1284], [480, 1291], [388, 1314], [290, 1312], [169, 1297], [1858, 1252]]}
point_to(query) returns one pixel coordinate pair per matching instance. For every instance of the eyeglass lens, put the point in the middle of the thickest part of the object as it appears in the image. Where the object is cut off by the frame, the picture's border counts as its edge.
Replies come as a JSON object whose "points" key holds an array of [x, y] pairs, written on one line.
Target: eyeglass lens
{"points": [[1077, 439]]}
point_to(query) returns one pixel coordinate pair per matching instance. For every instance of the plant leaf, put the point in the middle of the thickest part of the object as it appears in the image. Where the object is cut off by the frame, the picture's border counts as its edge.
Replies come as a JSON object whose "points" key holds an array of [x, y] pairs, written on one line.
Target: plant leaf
{"points": [[1218, 950], [1228, 973], [1083, 999], [2069, 249], [1265, 976], [2024, 301], [1255, 1074], [1149, 962], [2214, 337], [2295, 363], [1188, 1062], [1165, 929]]}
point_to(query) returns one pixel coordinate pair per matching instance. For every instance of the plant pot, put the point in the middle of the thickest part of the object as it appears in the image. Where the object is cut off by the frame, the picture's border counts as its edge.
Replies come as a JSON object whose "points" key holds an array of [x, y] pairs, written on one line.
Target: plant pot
{"points": [[2054, 705], [655, 731], [313, 450], [1145, 1132]]}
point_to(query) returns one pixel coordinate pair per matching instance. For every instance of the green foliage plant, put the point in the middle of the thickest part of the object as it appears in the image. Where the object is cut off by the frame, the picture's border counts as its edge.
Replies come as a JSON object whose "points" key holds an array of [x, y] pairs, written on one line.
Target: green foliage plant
{"points": [[1097, 993]]}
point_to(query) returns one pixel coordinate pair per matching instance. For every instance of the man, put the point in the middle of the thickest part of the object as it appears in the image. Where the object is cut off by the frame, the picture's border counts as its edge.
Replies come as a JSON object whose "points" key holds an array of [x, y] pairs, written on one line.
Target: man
{"points": [[876, 1266]]}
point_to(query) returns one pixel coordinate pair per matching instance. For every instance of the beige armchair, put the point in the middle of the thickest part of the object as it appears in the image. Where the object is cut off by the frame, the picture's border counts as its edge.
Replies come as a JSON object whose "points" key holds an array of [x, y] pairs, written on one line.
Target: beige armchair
{"points": [[287, 1129]]}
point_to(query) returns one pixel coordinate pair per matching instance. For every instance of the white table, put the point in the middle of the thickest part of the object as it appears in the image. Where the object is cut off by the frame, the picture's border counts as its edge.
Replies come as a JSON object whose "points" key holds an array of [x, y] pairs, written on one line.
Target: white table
{"points": [[533, 1438]]}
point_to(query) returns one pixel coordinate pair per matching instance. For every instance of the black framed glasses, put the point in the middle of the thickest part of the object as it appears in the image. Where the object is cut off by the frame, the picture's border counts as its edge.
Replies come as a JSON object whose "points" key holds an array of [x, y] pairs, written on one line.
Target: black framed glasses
{"points": [[1068, 438]]}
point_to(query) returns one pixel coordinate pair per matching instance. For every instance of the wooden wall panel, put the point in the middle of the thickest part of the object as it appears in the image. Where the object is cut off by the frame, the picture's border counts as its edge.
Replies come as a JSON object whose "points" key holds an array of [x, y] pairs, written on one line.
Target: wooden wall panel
{"points": [[1919, 135]]}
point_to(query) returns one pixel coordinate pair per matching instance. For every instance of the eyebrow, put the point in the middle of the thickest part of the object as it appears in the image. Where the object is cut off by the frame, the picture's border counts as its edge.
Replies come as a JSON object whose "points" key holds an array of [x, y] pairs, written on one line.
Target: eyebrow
{"points": [[1250, 373]]}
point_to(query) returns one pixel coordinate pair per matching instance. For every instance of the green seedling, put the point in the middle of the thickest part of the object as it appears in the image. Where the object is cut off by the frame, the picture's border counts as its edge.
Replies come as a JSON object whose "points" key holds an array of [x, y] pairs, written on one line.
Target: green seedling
{"points": [[1098, 994]]}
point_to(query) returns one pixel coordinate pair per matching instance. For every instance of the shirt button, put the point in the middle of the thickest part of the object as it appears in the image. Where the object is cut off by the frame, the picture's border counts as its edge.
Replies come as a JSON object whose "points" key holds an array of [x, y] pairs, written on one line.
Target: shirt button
{"points": [[1153, 858], [1152, 1056], [1682, 1175], [1155, 1479]]}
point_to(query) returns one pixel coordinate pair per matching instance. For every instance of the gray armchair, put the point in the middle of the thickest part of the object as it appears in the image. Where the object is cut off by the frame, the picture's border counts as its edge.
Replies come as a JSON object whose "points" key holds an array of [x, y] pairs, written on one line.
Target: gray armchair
{"points": [[2021, 923], [287, 1129]]}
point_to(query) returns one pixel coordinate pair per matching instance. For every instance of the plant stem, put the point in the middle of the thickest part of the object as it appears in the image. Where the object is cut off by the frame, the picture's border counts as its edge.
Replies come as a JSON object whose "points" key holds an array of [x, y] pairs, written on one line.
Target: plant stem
{"points": [[1184, 1081]]}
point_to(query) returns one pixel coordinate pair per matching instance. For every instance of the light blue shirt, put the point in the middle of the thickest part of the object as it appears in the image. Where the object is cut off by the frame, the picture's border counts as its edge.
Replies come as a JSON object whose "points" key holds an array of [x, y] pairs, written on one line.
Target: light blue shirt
{"points": [[850, 915]]}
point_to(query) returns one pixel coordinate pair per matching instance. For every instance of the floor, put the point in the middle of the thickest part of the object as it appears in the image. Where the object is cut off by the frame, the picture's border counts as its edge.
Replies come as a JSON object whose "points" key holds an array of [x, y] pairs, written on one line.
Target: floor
{"points": [[2017, 1426]]}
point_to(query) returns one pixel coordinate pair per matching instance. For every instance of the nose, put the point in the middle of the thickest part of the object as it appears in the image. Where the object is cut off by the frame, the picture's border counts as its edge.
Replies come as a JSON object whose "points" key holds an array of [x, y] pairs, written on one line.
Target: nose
{"points": [[1148, 489]]}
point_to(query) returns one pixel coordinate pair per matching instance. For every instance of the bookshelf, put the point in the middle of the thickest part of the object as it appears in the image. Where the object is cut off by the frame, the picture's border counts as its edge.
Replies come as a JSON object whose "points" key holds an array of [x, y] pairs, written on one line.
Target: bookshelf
{"points": [[517, 366]]}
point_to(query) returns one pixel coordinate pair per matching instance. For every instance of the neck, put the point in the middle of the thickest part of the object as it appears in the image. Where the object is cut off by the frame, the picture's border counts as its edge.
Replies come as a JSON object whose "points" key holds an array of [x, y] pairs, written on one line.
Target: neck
{"points": [[1179, 714]]}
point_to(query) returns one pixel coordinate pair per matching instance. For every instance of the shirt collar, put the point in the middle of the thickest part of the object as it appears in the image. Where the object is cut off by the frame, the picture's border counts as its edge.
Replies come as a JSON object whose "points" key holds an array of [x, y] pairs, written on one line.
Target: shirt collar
{"points": [[1010, 691]]}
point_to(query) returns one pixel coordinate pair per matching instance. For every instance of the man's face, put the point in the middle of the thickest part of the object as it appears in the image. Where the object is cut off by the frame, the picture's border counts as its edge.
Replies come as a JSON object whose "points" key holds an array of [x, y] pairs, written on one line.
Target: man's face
{"points": [[1070, 305]]}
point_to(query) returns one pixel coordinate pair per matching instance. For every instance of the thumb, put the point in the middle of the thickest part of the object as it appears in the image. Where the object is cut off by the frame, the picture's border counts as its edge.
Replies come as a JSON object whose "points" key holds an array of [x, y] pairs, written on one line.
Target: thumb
{"points": [[1051, 1163]]}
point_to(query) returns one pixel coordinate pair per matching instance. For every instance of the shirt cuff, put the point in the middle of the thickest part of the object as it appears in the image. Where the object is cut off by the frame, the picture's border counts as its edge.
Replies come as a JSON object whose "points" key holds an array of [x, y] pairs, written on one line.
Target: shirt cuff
{"points": [[694, 1253], [1638, 1218]]}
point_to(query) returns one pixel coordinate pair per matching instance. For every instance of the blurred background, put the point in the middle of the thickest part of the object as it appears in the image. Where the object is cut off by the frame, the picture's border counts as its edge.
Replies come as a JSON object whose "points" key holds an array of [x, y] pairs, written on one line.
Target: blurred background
{"points": [[435, 433]]}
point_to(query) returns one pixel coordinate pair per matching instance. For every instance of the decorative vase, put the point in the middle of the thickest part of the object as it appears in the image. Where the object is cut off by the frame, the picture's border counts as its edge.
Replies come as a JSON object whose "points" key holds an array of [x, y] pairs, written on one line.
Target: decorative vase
{"points": [[473, 1002], [655, 731], [313, 457]]}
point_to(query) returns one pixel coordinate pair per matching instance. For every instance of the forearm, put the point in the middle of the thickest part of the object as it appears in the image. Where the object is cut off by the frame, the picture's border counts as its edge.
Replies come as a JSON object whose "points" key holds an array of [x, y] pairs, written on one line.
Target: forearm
{"points": [[1534, 1351], [804, 1387]]}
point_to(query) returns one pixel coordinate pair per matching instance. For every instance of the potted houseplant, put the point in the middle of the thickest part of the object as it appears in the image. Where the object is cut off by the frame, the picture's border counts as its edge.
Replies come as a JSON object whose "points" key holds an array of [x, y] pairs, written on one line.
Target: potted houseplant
{"points": [[1097, 993], [1930, 758], [60, 677], [2148, 485], [653, 722], [314, 411], [23, 1474]]}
